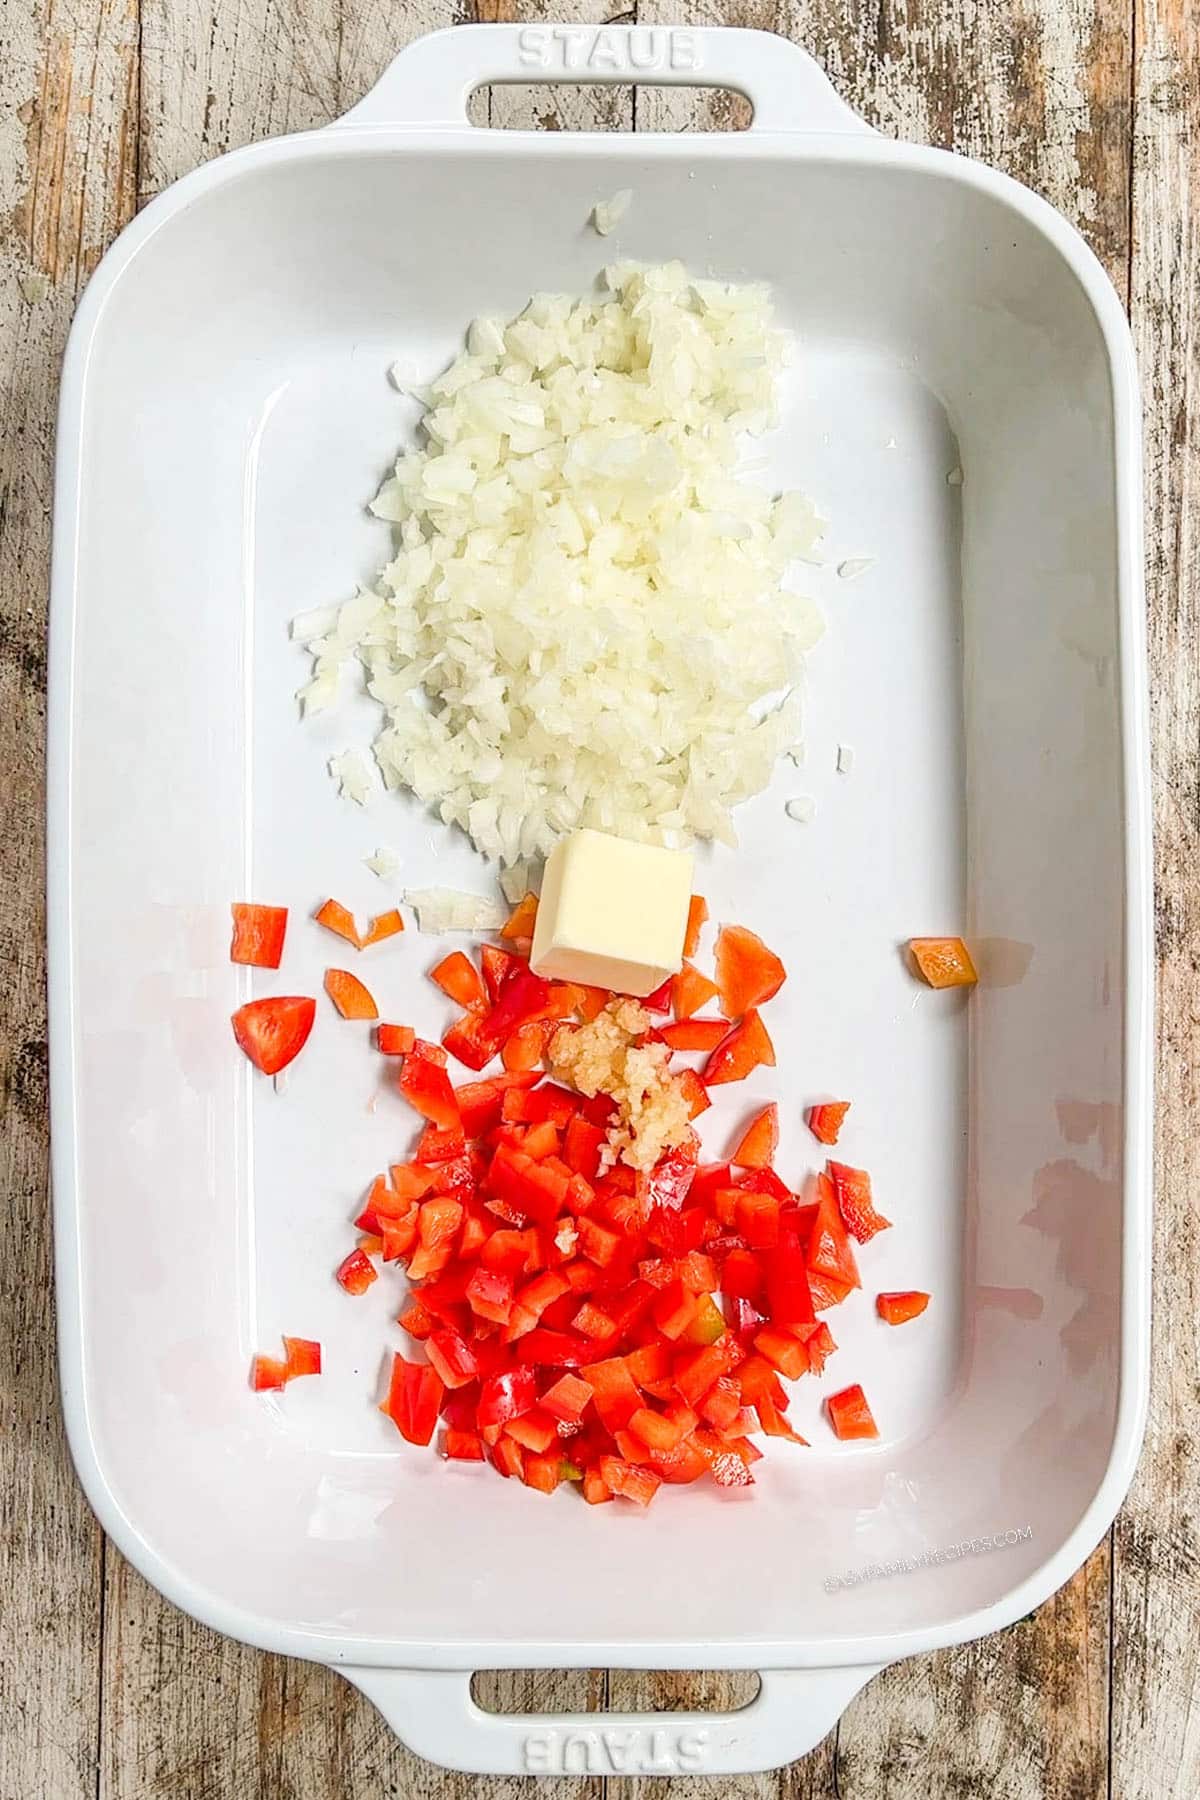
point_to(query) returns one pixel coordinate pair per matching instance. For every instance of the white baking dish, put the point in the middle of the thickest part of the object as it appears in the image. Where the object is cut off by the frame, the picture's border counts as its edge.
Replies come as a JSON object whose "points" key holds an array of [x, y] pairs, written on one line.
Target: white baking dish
{"points": [[225, 414]]}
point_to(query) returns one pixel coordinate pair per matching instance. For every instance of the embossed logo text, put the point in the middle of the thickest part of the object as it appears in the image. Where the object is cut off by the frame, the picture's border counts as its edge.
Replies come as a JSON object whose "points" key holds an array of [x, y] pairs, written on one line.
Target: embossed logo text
{"points": [[615, 1750], [578, 49]]}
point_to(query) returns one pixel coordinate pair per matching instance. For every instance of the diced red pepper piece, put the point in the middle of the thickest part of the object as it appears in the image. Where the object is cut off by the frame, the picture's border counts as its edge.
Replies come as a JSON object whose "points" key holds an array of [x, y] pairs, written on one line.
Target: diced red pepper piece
{"points": [[694, 1092], [674, 1310], [534, 1430], [489, 1294], [773, 1421], [728, 1469], [499, 966], [417, 1319], [521, 920], [508, 1458], [827, 1292], [356, 1273], [523, 997], [506, 1396], [723, 1402], [303, 1357], [427, 1088], [789, 1296], [258, 934], [820, 1346], [592, 1002], [850, 1415], [825, 1121], [582, 1145], [697, 917], [408, 1182], [543, 1473], [458, 977], [463, 1446], [452, 1357], [479, 1102], [531, 1106], [273, 1031], [852, 1191], [690, 990], [743, 1049], [527, 1046], [759, 1141], [468, 1040], [695, 1034], [783, 1351], [895, 1309], [395, 1040], [943, 962], [741, 1275], [765, 1181], [352, 999], [567, 1399], [629, 1480], [694, 1372], [829, 1251], [431, 1052], [669, 1182], [748, 974], [656, 1430], [439, 1144], [414, 1399], [383, 925], [267, 1373], [595, 1489], [660, 1000], [559, 1349], [337, 918], [757, 1218]]}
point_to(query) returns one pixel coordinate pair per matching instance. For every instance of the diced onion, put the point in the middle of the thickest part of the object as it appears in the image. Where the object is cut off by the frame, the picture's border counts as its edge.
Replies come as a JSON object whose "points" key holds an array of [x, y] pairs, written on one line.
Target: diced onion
{"points": [[586, 620], [448, 909]]}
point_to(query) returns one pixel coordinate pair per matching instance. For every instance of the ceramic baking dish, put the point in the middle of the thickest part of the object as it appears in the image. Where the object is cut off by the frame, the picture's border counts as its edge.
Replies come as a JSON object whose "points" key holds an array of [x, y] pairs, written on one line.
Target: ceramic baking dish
{"points": [[963, 406]]}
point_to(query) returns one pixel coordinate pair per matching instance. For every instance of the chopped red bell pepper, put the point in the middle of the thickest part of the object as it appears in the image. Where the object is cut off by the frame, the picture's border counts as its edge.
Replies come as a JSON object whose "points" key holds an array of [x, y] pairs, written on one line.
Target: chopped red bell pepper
{"points": [[458, 978], [452, 1357], [825, 1121], [567, 1399], [506, 1396], [267, 1373], [521, 921], [526, 1047], [469, 1041], [258, 934], [743, 1049], [395, 1040], [427, 1088], [273, 1031], [783, 1351], [629, 1480], [760, 1141], [748, 974], [338, 919], [463, 1446], [943, 962], [696, 919], [829, 1251], [660, 1000], [695, 1034], [820, 1346], [414, 1399], [303, 1356], [489, 1294], [356, 1273], [694, 1092], [384, 925], [852, 1191], [352, 999], [850, 1415], [896, 1309], [499, 966], [690, 991]]}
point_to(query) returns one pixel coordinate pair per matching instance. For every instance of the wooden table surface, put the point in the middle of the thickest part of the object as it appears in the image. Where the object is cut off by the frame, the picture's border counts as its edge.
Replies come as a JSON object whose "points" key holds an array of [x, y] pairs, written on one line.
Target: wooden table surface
{"points": [[105, 1690]]}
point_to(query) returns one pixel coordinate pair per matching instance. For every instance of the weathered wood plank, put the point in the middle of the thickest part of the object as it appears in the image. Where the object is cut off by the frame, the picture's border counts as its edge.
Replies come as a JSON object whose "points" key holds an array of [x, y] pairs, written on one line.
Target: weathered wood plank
{"points": [[1156, 1590], [68, 86]]}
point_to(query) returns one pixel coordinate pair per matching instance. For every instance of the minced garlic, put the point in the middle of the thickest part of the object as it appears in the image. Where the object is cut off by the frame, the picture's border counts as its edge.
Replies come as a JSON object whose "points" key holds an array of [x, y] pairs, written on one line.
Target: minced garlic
{"points": [[606, 1056]]}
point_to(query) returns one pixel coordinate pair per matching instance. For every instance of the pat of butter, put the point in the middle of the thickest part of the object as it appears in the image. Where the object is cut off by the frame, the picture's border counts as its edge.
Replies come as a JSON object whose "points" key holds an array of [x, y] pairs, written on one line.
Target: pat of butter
{"points": [[612, 913]]}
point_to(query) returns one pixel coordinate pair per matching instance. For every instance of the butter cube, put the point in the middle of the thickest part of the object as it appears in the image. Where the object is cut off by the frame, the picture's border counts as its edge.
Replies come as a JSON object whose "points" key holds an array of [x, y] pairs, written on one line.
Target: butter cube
{"points": [[612, 913]]}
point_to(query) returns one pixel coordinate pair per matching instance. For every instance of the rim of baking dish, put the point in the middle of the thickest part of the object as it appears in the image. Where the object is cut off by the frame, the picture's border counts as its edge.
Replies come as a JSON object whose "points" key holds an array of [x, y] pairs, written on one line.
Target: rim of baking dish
{"points": [[1137, 1074]]}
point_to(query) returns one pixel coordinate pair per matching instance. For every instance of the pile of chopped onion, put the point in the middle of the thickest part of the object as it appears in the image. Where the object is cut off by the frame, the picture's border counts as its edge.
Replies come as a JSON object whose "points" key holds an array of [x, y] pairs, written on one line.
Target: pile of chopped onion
{"points": [[586, 622]]}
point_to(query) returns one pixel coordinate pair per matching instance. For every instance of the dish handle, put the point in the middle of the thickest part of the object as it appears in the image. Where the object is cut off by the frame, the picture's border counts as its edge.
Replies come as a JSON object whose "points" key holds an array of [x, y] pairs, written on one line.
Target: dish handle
{"points": [[430, 82], [432, 1711]]}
